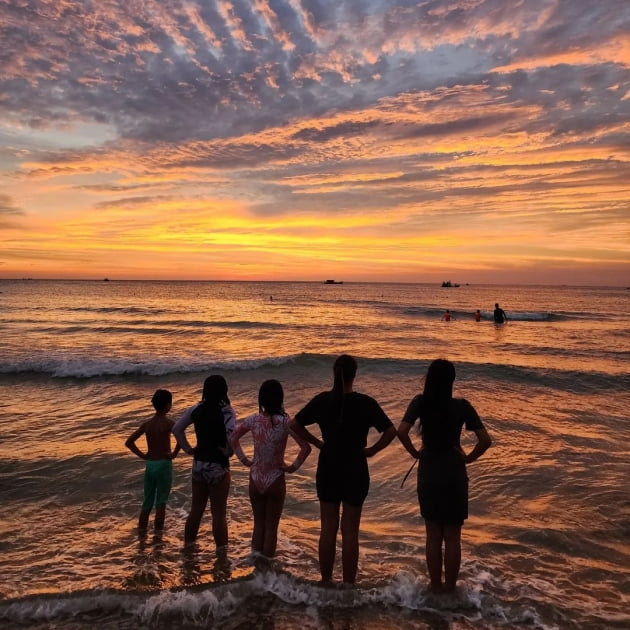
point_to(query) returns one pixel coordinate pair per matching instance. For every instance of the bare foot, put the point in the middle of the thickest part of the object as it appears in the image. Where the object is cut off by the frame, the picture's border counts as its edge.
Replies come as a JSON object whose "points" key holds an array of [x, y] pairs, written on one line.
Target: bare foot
{"points": [[327, 583]]}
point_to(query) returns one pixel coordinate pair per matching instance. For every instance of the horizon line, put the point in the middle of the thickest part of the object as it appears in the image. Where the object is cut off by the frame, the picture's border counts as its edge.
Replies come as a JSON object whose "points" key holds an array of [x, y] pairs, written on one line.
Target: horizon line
{"points": [[337, 283]]}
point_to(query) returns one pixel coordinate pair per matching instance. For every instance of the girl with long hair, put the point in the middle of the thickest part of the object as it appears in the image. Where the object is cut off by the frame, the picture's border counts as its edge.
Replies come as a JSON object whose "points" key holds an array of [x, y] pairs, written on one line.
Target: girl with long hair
{"points": [[267, 484], [214, 420], [442, 475], [342, 480]]}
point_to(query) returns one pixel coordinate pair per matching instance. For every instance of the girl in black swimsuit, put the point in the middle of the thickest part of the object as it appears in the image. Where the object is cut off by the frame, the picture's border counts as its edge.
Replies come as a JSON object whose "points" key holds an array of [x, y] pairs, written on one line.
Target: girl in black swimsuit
{"points": [[442, 477]]}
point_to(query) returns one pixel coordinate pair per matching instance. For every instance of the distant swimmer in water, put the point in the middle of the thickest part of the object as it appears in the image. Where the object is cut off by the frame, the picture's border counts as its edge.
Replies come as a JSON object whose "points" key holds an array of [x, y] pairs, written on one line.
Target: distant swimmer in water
{"points": [[447, 316], [477, 315], [499, 315]]}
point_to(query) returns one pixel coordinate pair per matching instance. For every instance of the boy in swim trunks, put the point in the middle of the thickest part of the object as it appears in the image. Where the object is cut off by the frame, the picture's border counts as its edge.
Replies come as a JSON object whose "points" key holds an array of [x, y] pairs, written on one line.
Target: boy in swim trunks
{"points": [[158, 473]]}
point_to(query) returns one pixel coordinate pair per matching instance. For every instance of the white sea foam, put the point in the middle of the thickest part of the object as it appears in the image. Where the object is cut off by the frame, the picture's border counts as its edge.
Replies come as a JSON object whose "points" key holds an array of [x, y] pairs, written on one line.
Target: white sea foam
{"points": [[59, 365], [208, 605]]}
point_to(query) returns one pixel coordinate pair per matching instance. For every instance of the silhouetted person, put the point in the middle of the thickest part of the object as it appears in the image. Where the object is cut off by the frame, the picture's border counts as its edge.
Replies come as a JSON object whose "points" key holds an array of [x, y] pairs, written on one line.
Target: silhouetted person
{"points": [[158, 473], [499, 315], [267, 485], [345, 418], [442, 475], [214, 421]]}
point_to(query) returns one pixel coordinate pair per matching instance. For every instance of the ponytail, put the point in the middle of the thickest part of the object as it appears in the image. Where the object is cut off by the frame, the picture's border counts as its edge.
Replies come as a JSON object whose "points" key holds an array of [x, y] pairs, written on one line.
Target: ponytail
{"points": [[344, 371], [438, 384]]}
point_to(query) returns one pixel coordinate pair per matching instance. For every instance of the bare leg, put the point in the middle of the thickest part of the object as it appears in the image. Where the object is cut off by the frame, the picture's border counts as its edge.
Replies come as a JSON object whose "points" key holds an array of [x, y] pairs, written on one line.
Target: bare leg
{"points": [[160, 515], [433, 551], [350, 522], [197, 508], [258, 508], [143, 519], [452, 555], [329, 515], [275, 502], [148, 499], [218, 506]]}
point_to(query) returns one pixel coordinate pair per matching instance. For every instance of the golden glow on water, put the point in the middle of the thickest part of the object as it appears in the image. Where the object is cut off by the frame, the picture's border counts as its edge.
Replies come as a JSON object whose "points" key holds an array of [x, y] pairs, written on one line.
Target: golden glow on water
{"points": [[546, 501]]}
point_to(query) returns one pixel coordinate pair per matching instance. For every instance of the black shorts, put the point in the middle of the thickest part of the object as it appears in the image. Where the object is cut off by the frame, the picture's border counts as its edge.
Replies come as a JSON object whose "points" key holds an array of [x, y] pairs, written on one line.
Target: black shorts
{"points": [[443, 488], [342, 479]]}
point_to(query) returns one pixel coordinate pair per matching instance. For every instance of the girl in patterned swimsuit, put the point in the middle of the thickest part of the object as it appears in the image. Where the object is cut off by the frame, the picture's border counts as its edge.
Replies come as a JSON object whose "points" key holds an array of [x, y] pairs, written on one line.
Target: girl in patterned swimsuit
{"points": [[267, 486], [214, 420]]}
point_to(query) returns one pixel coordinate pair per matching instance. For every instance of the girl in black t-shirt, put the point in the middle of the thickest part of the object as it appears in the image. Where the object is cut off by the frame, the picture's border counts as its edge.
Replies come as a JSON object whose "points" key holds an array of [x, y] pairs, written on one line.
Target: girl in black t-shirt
{"points": [[342, 480]]}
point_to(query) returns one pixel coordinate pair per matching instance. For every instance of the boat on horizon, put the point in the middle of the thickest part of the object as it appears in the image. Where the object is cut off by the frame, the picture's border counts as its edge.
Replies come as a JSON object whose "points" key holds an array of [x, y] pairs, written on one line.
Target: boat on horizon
{"points": [[333, 281], [449, 284]]}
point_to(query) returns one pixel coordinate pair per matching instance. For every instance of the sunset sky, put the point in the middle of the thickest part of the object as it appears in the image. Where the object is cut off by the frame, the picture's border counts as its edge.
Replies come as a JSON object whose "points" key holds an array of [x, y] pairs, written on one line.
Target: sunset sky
{"points": [[387, 140]]}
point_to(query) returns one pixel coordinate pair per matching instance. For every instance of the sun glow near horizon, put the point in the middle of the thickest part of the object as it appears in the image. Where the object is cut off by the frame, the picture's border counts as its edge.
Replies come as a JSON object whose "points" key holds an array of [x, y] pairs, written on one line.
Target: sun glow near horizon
{"points": [[511, 164]]}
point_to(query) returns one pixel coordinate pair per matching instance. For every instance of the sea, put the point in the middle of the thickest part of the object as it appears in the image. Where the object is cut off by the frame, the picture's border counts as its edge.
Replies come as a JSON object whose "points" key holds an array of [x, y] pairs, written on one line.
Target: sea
{"points": [[547, 542]]}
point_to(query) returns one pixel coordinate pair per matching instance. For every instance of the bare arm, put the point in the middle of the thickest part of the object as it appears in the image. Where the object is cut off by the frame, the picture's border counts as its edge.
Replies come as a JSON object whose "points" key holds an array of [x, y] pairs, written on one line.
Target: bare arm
{"points": [[179, 431], [305, 434], [483, 444], [237, 434], [131, 441], [177, 446], [175, 450], [305, 451], [403, 436], [385, 438]]}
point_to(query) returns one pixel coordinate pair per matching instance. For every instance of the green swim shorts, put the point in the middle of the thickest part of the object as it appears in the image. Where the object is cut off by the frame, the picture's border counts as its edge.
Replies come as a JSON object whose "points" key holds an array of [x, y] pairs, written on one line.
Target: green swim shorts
{"points": [[158, 478]]}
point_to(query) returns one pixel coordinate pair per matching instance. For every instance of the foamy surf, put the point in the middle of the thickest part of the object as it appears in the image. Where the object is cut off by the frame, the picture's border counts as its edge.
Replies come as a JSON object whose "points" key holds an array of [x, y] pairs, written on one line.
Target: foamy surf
{"points": [[242, 601]]}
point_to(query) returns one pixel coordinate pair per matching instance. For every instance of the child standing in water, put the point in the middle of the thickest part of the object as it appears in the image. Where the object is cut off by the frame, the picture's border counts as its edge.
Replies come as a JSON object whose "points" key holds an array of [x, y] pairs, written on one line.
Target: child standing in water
{"points": [[345, 418], [158, 473], [442, 475], [267, 485], [213, 419]]}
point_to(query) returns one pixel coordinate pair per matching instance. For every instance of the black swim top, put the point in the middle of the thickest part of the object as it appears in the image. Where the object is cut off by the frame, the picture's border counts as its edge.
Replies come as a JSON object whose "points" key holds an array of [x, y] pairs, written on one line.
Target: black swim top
{"points": [[441, 429]]}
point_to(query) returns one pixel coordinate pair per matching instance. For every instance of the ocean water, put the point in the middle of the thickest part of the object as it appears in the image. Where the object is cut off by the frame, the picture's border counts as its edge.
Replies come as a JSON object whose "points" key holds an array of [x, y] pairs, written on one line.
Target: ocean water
{"points": [[547, 544]]}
